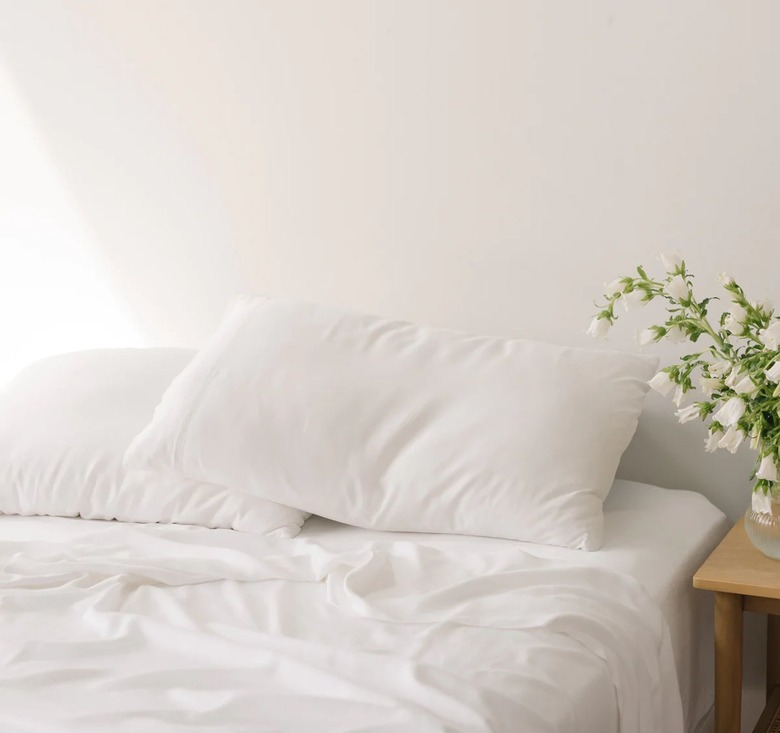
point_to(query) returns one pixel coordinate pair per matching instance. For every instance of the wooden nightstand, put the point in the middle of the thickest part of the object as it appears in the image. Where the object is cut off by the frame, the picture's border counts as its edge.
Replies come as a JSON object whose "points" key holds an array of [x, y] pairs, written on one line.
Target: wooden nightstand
{"points": [[743, 580]]}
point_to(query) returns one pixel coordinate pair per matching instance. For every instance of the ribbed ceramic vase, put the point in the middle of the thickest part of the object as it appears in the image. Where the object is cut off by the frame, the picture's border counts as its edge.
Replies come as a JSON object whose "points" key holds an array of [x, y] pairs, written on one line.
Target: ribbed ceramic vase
{"points": [[762, 523]]}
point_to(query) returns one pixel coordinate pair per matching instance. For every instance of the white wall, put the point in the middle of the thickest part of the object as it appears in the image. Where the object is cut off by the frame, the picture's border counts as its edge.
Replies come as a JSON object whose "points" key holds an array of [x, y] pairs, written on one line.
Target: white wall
{"points": [[481, 165], [54, 293]]}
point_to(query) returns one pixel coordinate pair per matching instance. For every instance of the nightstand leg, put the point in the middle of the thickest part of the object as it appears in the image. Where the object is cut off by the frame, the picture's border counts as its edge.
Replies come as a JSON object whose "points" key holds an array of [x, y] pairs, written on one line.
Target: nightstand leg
{"points": [[728, 662], [772, 653]]}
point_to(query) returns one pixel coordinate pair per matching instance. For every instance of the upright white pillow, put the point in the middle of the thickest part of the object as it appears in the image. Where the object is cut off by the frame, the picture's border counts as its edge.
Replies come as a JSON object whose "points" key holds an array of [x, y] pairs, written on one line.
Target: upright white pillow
{"points": [[65, 424], [391, 426]]}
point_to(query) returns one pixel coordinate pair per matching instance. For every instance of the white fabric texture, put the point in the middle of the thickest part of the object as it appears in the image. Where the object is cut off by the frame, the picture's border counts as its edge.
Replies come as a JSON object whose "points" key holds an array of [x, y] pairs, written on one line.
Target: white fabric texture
{"points": [[657, 536], [65, 424], [387, 425], [161, 629]]}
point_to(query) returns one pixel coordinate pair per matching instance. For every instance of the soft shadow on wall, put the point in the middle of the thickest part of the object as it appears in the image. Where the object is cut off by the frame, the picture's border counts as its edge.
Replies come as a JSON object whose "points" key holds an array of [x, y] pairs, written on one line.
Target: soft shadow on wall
{"points": [[54, 291], [157, 229]]}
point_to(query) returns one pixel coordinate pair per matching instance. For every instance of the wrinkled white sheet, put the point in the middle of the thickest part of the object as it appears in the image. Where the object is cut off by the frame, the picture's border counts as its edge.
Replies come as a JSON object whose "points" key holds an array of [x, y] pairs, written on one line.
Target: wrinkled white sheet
{"points": [[133, 628]]}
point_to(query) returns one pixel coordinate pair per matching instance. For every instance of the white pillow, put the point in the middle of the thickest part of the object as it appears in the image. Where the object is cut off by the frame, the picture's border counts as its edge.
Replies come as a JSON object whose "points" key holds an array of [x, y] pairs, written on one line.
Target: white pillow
{"points": [[65, 424], [391, 426]]}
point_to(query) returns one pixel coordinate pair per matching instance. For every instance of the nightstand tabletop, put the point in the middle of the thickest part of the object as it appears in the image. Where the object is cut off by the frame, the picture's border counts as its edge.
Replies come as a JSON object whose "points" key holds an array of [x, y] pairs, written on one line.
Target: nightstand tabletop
{"points": [[735, 566]]}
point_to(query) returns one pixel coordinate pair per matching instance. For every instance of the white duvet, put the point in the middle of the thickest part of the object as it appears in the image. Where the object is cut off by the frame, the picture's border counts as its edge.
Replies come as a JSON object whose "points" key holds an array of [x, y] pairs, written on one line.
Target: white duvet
{"points": [[133, 628]]}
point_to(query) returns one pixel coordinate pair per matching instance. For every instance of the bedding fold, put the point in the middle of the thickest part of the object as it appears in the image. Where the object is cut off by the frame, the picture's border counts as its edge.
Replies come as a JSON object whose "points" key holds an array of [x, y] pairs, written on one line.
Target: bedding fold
{"points": [[172, 629]]}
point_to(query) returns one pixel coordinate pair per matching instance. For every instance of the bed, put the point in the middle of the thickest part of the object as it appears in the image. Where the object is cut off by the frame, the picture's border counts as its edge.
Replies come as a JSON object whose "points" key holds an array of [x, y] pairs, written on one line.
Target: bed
{"points": [[110, 626], [167, 565]]}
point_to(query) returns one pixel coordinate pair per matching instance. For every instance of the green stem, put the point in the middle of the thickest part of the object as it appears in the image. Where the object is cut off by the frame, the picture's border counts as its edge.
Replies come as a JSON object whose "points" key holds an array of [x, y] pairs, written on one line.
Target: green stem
{"points": [[707, 327]]}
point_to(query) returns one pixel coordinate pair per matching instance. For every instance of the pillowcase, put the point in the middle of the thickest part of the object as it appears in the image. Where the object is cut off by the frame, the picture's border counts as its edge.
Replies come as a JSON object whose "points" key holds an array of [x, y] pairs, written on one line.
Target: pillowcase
{"points": [[65, 424], [390, 426]]}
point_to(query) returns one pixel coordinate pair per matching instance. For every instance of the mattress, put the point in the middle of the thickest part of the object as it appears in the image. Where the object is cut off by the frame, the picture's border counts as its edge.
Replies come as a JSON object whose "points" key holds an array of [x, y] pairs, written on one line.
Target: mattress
{"points": [[152, 628]]}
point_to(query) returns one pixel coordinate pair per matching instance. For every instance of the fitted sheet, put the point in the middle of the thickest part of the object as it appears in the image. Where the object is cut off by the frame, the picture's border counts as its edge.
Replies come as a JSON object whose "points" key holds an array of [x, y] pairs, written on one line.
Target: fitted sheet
{"points": [[161, 626]]}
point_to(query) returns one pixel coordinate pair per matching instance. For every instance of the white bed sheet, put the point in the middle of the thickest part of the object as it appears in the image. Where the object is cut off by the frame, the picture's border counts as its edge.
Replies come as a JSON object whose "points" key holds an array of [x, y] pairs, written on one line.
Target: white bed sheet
{"points": [[659, 537], [656, 537]]}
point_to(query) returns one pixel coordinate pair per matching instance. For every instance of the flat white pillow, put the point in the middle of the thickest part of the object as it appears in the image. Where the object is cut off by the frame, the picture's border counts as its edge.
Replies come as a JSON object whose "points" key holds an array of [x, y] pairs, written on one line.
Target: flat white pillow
{"points": [[65, 424], [390, 426]]}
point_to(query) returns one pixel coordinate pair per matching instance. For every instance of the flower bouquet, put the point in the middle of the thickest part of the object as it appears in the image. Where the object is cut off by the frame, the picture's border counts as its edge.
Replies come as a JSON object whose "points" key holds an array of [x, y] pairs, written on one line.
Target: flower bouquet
{"points": [[735, 362]]}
